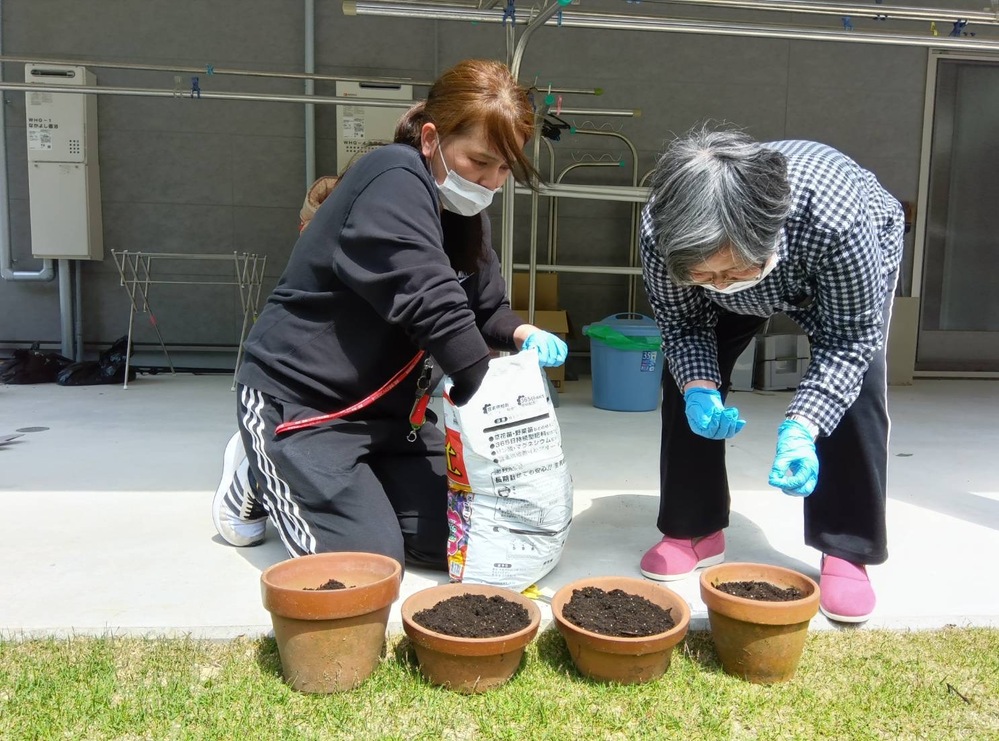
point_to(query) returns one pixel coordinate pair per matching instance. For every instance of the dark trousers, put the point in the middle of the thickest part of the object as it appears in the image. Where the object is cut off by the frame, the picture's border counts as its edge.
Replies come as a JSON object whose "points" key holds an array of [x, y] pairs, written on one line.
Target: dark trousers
{"points": [[348, 485], [844, 516]]}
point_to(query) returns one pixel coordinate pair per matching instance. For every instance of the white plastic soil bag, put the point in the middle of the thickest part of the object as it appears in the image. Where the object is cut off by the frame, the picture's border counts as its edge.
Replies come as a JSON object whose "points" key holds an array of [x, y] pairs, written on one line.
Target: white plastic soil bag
{"points": [[509, 493]]}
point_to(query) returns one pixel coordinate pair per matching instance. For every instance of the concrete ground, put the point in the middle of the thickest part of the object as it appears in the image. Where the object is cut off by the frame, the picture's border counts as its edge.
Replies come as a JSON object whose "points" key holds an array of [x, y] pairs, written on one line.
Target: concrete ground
{"points": [[105, 525]]}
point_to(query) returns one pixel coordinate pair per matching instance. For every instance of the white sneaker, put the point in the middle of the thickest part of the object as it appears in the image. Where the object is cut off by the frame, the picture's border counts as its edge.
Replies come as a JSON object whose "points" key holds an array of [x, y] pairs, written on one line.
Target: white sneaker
{"points": [[239, 518]]}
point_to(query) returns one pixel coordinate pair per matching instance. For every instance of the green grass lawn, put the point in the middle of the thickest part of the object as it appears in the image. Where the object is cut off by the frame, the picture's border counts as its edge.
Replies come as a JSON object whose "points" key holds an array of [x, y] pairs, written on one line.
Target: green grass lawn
{"points": [[851, 684]]}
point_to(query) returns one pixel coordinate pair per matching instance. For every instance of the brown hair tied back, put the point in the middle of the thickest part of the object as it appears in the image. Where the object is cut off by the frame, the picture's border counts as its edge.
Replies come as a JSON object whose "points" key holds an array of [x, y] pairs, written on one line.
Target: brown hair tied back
{"points": [[477, 92], [407, 131]]}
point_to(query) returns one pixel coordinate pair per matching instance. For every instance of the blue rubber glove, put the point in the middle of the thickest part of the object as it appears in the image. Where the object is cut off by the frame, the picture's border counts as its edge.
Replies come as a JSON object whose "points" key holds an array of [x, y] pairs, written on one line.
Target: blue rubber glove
{"points": [[708, 417], [796, 467], [552, 351]]}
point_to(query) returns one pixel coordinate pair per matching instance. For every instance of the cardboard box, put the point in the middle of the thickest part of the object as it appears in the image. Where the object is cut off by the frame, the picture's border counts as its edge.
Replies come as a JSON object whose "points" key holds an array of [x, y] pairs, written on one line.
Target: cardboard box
{"points": [[547, 315], [545, 292]]}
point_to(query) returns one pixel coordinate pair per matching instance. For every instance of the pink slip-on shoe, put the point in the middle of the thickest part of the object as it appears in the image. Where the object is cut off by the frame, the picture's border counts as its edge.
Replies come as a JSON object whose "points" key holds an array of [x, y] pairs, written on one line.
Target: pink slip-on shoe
{"points": [[676, 558], [845, 590]]}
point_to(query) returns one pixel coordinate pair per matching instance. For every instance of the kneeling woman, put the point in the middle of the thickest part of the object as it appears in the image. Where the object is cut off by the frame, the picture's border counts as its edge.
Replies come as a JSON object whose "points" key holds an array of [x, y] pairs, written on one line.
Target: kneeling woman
{"points": [[396, 261]]}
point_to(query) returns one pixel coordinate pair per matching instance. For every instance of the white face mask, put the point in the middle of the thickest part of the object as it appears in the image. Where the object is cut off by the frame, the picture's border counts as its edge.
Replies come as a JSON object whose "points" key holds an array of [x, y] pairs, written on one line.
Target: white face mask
{"points": [[742, 285], [460, 195]]}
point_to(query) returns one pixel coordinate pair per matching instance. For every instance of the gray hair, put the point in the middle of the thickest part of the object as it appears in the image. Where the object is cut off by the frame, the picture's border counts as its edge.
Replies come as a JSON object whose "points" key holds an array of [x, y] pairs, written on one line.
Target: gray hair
{"points": [[713, 189]]}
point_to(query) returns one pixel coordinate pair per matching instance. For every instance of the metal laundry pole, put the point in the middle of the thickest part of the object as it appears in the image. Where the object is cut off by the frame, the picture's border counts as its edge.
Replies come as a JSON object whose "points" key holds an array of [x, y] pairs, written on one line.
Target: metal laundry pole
{"points": [[202, 94], [624, 22], [234, 72], [209, 69], [893, 12]]}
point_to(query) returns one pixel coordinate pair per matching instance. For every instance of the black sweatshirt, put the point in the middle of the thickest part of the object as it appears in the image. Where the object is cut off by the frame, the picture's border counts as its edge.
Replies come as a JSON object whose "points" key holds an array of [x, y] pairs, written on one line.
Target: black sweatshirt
{"points": [[367, 285]]}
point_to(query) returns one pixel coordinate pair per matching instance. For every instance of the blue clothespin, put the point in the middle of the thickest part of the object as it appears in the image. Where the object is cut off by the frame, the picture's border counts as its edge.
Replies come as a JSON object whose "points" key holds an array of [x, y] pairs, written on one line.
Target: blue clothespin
{"points": [[509, 13], [210, 69], [958, 27], [847, 23], [195, 88]]}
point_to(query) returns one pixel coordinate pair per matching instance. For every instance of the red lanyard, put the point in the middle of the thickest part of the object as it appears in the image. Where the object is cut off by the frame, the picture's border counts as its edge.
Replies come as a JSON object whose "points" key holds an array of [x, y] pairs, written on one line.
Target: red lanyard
{"points": [[416, 416]]}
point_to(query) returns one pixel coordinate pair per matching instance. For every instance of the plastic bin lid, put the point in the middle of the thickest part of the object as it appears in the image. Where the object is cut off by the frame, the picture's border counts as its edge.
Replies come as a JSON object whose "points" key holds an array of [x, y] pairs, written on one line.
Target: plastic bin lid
{"points": [[633, 325]]}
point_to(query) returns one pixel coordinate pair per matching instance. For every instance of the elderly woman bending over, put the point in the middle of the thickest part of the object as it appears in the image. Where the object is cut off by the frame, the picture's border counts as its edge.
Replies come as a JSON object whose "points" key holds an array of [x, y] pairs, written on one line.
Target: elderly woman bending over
{"points": [[734, 232]]}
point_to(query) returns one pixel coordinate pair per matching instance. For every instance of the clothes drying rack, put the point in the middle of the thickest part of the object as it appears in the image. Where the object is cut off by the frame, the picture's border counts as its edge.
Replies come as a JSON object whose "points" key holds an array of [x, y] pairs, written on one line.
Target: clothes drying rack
{"points": [[139, 271]]}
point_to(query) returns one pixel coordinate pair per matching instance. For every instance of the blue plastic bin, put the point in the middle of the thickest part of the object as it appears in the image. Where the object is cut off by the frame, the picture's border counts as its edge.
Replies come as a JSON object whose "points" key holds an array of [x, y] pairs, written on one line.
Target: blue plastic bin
{"points": [[626, 380]]}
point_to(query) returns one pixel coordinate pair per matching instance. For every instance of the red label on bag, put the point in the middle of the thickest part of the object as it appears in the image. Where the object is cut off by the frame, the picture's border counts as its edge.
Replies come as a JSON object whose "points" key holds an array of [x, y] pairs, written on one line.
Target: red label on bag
{"points": [[457, 474]]}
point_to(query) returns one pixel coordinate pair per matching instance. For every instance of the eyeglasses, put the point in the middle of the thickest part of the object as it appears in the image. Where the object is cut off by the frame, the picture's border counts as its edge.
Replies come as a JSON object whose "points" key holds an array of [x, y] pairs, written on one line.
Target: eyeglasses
{"points": [[697, 278]]}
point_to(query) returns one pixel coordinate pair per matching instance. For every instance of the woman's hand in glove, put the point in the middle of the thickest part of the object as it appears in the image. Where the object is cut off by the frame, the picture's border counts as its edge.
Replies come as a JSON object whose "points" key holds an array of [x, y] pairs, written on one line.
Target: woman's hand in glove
{"points": [[708, 417], [552, 350], [796, 466]]}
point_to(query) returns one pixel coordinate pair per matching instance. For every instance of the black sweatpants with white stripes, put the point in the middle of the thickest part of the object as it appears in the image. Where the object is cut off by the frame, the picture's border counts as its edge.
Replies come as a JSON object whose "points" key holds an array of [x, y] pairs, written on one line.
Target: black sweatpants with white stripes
{"points": [[844, 516], [348, 485]]}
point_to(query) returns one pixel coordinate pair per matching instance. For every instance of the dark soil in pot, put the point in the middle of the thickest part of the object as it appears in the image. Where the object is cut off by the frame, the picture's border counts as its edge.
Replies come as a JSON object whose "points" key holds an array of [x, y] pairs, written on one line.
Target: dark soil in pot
{"points": [[762, 591], [331, 584], [616, 613], [474, 616]]}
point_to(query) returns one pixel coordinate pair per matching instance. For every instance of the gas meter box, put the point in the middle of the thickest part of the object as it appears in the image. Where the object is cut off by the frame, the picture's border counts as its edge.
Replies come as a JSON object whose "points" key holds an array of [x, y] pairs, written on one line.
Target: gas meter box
{"points": [[360, 127], [64, 185]]}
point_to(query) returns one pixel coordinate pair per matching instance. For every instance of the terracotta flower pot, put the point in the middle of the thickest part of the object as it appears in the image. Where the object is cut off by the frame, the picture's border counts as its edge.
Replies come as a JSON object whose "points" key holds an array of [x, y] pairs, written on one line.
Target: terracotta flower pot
{"points": [[625, 660], [468, 665], [758, 641], [330, 639]]}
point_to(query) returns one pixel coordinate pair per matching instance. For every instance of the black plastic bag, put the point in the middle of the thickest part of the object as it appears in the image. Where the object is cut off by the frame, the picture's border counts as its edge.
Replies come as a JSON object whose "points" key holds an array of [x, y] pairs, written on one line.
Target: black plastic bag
{"points": [[33, 366], [108, 368]]}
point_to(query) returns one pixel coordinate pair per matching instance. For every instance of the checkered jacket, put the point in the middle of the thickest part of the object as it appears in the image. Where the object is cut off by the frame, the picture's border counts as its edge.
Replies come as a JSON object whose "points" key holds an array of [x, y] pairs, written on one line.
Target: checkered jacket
{"points": [[837, 251]]}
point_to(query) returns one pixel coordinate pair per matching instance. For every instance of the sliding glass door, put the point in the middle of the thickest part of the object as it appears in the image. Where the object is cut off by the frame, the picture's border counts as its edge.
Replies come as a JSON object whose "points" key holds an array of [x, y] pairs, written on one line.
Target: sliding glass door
{"points": [[959, 322]]}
